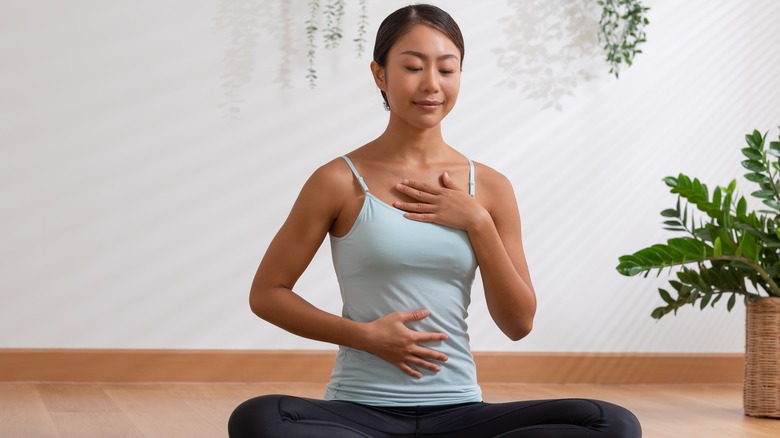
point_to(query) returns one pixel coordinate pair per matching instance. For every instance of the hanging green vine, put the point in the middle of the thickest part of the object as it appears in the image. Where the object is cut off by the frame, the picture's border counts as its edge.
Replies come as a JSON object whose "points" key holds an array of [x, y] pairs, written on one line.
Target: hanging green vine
{"points": [[311, 38], [332, 32], [360, 40], [334, 12], [622, 31]]}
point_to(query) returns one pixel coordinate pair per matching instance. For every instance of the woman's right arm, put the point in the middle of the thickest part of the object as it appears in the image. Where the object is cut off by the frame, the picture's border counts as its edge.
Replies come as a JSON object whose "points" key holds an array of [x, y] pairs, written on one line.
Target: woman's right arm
{"points": [[272, 298]]}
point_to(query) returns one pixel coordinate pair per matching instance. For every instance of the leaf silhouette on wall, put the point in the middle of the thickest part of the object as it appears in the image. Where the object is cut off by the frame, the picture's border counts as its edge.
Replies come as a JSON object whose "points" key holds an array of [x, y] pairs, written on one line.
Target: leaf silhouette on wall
{"points": [[285, 36], [239, 19], [551, 48]]}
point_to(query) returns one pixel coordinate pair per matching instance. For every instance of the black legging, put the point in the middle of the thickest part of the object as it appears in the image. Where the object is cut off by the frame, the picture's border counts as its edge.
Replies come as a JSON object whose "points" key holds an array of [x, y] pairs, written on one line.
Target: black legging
{"points": [[285, 416]]}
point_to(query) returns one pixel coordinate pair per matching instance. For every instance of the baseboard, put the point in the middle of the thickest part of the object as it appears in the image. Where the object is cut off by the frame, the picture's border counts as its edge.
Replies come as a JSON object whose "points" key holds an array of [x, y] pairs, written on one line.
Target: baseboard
{"points": [[98, 365]]}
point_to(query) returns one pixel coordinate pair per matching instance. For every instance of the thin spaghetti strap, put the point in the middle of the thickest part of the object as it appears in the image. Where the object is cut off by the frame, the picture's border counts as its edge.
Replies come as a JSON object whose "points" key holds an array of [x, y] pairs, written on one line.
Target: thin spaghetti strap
{"points": [[472, 180], [355, 172]]}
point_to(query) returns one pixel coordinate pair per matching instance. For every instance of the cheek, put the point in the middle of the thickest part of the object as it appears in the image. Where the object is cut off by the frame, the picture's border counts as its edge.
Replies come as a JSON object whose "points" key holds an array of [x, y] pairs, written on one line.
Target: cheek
{"points": [[400, 87], [452, 86]]}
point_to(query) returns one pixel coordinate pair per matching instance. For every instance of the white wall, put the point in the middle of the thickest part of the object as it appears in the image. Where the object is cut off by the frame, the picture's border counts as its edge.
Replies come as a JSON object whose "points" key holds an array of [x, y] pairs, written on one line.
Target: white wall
{"points": [[136, 205]]}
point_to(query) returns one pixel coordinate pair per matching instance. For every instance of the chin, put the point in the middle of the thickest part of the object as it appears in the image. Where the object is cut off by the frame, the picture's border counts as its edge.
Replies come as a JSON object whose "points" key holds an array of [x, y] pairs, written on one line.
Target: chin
{"points": [[427, 125], [427, 121]]}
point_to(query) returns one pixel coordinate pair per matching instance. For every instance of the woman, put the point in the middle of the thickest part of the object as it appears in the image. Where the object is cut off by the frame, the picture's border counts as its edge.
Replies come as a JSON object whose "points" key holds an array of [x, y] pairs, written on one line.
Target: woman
{"points": [[407, 233]]}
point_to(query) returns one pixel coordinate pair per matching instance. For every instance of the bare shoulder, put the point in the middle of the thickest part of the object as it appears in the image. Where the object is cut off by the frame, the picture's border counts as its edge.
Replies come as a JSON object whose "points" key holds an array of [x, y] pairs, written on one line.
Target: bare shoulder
{"points": [[492, 187], [327, 188], [333, 175]]}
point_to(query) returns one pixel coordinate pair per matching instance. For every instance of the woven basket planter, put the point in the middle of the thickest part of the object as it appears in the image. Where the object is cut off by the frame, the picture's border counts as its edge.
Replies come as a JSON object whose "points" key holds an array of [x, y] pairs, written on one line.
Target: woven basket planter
{"points": [[762, 358]]}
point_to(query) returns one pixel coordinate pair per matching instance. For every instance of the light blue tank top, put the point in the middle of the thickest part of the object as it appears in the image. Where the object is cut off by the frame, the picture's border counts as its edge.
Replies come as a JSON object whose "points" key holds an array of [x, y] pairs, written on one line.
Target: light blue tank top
{"points": [[388, 263]]}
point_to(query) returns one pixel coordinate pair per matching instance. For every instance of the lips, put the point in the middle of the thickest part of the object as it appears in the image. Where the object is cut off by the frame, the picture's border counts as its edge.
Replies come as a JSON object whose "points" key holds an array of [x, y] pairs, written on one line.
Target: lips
{"points": [[428, 104]]}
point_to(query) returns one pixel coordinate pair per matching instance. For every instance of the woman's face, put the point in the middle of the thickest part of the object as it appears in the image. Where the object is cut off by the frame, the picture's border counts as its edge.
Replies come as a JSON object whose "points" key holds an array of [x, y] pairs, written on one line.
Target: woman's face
{"points": [[421, 77]]}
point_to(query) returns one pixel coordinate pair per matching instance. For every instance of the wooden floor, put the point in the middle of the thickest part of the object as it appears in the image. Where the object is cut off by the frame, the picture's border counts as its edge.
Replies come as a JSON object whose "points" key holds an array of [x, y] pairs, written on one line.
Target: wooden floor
{"points": [[201, 409]]}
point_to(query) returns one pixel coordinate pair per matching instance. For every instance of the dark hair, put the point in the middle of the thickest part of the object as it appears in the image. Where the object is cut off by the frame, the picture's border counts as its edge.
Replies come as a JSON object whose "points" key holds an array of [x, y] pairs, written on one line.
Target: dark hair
{"points": [[399, 22]]}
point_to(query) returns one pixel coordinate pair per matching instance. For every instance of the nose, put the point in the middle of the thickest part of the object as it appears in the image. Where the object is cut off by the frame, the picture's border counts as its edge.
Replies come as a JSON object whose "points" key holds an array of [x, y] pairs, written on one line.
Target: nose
{"points": [[430, 81]]}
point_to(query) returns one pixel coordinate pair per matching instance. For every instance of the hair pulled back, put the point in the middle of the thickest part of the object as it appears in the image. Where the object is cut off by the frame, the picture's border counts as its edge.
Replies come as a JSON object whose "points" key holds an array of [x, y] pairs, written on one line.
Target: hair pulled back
{"points": [[399, 22]]}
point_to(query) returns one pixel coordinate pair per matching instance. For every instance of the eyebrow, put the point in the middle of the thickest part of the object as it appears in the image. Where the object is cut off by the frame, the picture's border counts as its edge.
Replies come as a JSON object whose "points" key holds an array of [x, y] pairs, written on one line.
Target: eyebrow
{"points": [[424, 56]]}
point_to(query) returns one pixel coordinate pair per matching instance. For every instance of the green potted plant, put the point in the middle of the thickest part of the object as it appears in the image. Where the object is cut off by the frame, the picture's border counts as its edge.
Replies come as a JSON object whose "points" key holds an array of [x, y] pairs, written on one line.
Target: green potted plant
{"points": [[728, 251]]}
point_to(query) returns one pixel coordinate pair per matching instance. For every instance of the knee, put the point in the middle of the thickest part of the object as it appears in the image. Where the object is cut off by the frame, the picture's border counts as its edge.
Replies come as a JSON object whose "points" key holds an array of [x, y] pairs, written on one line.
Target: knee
{"points": [[254, 417], [620, 421]]}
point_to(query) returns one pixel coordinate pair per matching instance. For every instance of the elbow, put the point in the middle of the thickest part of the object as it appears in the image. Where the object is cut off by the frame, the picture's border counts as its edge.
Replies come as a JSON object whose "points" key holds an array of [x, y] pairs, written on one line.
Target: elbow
{"points": [[519, 327], [256, 307], [519, 330], [257, 304]]}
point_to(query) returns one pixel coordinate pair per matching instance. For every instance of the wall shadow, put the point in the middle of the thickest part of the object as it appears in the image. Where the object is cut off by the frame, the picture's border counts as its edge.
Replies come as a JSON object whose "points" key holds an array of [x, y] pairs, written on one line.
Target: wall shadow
{"points": [[551, 48]]}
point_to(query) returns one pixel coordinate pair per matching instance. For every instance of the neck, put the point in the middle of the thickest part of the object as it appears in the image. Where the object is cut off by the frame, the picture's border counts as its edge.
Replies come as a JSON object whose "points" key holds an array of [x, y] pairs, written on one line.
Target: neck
{"points": [[410, 143]]}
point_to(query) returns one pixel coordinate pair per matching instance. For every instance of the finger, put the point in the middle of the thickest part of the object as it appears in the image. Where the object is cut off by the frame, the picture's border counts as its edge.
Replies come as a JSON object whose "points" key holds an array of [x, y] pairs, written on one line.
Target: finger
{"points": [[417, 362], [427, 353], [429, 337], [421, 217], [414, 315], [417, 207], [419, 185], [416, 194], [412, 187], [409, 370], [448, 182]]}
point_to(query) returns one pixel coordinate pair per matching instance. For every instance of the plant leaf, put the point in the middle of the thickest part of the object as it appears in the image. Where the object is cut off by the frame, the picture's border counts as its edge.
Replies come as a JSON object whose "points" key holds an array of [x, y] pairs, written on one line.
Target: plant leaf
{"points": [[750, 247], [652, 256], [659, 312], [717, 249], [753, 165], [690, 248], [757, 178], [772, 204], [716, 195], [758, 138], [731, 302], [665, 296], [630, 266], [774, 148], [752, 154], [752, 142], [764, 194], [705, 300], [741, 207]]}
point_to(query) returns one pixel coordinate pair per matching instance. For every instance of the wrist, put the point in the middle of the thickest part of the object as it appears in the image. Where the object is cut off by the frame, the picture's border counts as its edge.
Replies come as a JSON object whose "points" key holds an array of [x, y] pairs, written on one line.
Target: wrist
{"points": [[483, 221], [361, 336]]}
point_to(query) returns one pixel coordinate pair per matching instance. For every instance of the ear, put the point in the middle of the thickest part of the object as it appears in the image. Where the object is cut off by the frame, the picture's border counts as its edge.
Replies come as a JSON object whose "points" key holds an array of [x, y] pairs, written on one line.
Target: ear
{"points": [[379, 75]]}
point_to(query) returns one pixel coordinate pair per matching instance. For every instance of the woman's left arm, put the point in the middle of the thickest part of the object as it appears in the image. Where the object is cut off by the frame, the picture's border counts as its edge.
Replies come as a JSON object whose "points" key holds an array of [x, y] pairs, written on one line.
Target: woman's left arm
{"points": [[493, 226]]}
